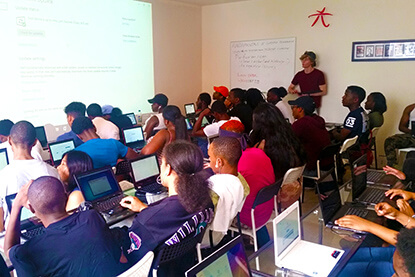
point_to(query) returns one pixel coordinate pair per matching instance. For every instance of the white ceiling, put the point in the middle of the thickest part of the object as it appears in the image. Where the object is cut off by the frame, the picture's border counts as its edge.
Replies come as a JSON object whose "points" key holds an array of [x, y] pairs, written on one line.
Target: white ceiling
{"points": [[207, 2]]}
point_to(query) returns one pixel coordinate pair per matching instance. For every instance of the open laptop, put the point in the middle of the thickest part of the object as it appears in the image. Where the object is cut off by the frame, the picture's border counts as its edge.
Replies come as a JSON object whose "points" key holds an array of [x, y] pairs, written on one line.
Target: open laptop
{"points": [[131, 116], [41, 136], [361, 192], [4, 158], [296, 254], [190, 110], [229, 260], [58, 149], [101, 189], [189, 124], [134, 137], [30, 225], [332, 209]]}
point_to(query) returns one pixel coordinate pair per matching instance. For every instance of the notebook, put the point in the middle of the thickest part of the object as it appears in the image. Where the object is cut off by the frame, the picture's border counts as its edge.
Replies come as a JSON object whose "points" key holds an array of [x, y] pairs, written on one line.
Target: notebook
{"points": [[360, 191], [332, 208], [134, 137], [131, 116], [145, 172], [229, 260], [4, 158], [30, 225], [189, 109], [101, 189], [58, 149], [41, 136], [296, 254]]}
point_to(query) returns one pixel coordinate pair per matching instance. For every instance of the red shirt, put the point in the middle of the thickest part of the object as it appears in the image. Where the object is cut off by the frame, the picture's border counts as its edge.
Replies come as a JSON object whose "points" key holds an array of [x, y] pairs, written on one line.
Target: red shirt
{"points": [[309, 83]]}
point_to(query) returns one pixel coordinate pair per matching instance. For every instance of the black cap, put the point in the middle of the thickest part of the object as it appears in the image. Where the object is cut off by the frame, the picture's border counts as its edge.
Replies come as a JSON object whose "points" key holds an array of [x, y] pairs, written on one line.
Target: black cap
{"points": [[160, 99], [305, 102]]}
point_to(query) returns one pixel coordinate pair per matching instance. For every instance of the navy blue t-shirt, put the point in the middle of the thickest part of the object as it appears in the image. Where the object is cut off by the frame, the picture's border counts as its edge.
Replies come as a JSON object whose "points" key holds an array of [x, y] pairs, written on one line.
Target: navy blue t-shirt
{"points": [[78, 245], [357, 122]]}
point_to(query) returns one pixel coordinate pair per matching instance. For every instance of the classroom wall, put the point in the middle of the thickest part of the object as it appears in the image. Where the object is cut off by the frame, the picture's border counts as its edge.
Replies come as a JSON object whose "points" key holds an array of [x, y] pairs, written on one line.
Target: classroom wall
{"points": [[352, 20]]}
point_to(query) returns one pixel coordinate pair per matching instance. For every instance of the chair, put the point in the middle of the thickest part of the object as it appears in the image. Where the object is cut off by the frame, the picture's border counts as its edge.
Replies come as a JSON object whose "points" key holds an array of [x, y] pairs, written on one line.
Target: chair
{"points": [[264, 195], [123, 168], [289, 191], [372, 143], [328, 152], [344, 155], [141, 268]]}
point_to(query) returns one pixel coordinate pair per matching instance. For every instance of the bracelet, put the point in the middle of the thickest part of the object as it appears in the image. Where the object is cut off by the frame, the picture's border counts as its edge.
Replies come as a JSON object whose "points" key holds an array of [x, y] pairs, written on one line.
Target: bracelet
{"points": [[409, 219]]}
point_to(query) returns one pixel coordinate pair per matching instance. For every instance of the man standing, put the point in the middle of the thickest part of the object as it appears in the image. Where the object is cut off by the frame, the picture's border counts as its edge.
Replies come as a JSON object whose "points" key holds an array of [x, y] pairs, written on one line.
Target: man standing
{"points": [[404, 140], [73, 110]]}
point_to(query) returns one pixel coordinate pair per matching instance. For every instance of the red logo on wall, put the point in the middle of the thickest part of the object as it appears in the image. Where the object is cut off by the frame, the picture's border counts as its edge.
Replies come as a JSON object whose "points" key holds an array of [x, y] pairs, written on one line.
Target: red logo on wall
{"points": [[320, 14]]}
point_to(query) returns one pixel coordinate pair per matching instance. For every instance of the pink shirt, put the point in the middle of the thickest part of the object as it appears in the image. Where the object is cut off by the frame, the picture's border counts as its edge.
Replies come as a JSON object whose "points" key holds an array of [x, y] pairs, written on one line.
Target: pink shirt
{"points": [[257, 170]]}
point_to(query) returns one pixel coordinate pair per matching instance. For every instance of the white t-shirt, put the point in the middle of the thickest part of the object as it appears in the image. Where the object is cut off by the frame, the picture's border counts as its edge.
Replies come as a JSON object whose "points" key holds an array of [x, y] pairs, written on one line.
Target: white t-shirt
{"points": [[36, 151], [161, 124], [17, 174], [213, 129], [106, 129], [286, 111]]}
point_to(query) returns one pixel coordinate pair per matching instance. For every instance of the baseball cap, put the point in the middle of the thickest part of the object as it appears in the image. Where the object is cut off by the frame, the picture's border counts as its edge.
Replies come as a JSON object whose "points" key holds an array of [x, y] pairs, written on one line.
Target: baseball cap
{"points": [[107, 109], [160, 99], [222, 90], [305, 102]]}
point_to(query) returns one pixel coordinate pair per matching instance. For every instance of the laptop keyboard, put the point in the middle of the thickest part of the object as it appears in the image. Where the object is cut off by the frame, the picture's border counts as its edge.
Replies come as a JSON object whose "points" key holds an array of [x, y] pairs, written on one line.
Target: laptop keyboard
{"points": [[152, 188], [359, 212], [109, 204], [374, 176], [374, 196], [33, 233]]}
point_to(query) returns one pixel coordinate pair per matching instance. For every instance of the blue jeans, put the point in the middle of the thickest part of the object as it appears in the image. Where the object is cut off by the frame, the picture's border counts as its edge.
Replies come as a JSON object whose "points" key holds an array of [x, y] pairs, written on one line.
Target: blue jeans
{"points": [[370, 261]]}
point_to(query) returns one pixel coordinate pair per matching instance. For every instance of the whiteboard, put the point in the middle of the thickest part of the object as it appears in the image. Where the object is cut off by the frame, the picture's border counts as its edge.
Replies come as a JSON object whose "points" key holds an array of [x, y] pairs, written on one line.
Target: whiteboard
{"points": [[262, 64]]}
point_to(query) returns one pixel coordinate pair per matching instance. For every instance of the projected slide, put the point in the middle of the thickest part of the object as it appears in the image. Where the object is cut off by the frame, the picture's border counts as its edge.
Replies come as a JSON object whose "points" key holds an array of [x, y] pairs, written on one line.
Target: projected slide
{"points": [[57, 51]]}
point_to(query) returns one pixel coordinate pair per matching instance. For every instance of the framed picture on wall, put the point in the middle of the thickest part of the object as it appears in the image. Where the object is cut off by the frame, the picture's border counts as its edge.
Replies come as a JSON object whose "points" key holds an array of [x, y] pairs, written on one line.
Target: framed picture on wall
{"points": [[384, 50]]}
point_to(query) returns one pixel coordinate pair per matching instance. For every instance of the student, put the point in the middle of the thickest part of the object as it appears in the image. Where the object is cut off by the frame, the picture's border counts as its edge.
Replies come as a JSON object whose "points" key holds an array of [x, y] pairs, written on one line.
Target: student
{"points": [[275, 96], [254, 97], [220, 93], [176, 130], [239, 108], [376, 104], [103, 152], [401, 140], [73, 110], [156, 122], [24, 168], [311, 130], [105, 129], [229, 185], [73, 162], [72, 245], [203, 102], [122, 121], [181, 171], [311, 80], [356, 122]]}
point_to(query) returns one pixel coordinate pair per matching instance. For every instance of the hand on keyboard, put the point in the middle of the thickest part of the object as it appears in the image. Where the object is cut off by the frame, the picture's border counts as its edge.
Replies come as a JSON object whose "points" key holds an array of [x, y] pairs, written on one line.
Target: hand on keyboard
{"points": [[405, 207], [386, 210], [133, 203], [354, 222]]}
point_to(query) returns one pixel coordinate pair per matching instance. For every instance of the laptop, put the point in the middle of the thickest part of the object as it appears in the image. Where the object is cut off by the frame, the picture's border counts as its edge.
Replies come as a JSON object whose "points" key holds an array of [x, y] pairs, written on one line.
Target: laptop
{"points": [[190, 110], [131, 116], [30, 225], [134, 137], [101, 189], [413, 128], [58, 149], [189, 124], [361, 192], [296, 254], [4, 158], [229, 260], [41, 136], [145, 173], [332, 209]]}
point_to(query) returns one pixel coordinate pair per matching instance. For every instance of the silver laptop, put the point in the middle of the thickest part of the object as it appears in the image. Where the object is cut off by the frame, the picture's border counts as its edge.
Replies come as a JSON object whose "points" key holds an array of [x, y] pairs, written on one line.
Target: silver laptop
{"points": [[296, 254]]}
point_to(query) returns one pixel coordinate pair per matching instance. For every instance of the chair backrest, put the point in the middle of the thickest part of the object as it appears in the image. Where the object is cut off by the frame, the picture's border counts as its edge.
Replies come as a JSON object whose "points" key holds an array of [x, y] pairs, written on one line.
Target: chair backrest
{"points": [[329, 151], [267, 193], [348, 143], [375, 131], [290, 190], [141, 268], [293, 174]]}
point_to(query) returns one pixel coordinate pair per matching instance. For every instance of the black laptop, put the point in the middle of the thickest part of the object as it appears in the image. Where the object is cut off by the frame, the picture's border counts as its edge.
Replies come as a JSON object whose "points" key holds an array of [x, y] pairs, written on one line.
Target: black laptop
{"points": [[101, 189], [134, 138], [190, 110], [332, 209], [131, 116], [4, 158], [30, 225], [41, 136], [58, 149]]}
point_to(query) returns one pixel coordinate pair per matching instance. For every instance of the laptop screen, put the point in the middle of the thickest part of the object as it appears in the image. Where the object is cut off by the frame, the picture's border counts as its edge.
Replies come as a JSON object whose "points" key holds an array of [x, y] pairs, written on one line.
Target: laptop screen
{"points": [[230, 260], [188, 124], [58, 149], [287, 230], [359, 176], [131, 116], [145, 168], [97, 184], [330, 202], [25, 214], [190, 108], [4, 159], [133, 134], [41, 136]]}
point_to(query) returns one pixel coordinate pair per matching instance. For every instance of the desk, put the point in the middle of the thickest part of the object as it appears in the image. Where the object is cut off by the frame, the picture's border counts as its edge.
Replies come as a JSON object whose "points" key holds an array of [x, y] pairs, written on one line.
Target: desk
{"points": [[314, 231]]}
